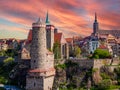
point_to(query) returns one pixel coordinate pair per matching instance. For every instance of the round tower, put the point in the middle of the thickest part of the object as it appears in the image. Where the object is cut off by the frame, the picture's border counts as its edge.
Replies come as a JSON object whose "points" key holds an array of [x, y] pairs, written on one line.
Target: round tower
{"points": [[38, 45]]}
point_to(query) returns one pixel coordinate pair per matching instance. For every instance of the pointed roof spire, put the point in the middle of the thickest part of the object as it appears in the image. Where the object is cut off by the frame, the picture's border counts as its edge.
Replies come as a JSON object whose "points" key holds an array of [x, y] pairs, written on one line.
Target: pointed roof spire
{"points": [[47, 19], [39, 20], [95, 17]]}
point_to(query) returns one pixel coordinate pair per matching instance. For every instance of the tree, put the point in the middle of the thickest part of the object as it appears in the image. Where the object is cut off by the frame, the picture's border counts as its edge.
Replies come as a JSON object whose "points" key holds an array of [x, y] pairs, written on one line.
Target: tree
{"points": [[77, 51], [100, 53], [57, 50], [8, 60], [9, 53]]}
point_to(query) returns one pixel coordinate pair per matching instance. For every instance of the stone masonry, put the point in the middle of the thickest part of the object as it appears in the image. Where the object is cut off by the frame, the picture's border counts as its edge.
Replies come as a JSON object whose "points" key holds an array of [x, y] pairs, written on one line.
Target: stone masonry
{"points": [[41, 73]]}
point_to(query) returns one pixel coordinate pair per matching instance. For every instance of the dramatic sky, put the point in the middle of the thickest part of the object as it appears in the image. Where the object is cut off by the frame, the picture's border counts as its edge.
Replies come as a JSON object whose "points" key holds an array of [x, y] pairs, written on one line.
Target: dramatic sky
{"points": [[69, 16]]}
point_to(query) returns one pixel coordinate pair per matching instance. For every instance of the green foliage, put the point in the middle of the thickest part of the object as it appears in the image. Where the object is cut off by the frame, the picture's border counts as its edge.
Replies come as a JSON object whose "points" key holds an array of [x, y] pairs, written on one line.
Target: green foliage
{"points": [[9, 53], [2, 53], [100, 53], [67, 65], [8, 60], [77, 51], [5, 69], [104, 85], [62, 66], [94, 70], [104, 76], [57, 50], [71, 64], [3, 80], [117, 71]]}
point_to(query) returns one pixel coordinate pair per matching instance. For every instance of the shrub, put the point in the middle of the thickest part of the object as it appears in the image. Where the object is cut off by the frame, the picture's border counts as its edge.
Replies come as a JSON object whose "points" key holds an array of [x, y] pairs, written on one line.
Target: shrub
{"points": [[104, 76]]}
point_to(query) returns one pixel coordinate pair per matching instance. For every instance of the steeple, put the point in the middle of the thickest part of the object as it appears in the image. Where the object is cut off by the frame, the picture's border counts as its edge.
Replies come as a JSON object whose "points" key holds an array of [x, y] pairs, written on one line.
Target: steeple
{"points": [[95, 25], [95, 17], [47, 18]]}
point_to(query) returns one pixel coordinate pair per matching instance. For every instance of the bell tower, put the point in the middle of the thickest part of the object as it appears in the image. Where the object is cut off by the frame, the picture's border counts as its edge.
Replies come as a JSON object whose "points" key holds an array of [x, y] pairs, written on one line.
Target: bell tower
{"points": [[49, 33]]}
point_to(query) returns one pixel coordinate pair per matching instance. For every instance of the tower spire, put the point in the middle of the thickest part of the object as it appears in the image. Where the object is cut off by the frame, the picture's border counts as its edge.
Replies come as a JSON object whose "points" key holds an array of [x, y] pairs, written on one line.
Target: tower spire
{"points": [[47, 18], [95, 17], [95, 25]]}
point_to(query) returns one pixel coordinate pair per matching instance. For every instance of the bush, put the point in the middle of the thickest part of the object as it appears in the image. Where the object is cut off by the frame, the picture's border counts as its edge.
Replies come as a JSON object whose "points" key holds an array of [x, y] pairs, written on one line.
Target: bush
{"points": [[3, 80], [105, 84], [62, 66], [105, 76], [8, 60], [99, 53], [94, 70]]}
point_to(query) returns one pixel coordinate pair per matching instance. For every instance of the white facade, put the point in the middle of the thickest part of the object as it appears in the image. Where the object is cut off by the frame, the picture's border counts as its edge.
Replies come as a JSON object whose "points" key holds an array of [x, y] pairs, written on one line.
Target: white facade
{"points": [[93, 44]]}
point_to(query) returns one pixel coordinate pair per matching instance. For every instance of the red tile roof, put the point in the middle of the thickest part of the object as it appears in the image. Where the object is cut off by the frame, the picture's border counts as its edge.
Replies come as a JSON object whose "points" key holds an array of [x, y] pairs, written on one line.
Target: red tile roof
{"points": [[29, 36], [102, 47], [57, 37], [42, 70], [69, 40]]}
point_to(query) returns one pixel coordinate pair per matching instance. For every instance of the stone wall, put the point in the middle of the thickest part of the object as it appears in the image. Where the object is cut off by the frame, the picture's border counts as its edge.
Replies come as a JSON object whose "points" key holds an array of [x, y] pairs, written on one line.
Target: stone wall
{"points": [[48, 83], [36, 84], [89, 63], [50, 61], [84, 63]]}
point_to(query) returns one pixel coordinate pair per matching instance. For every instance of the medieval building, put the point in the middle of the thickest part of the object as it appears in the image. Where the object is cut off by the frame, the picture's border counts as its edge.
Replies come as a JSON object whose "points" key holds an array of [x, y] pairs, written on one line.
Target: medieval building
{"points": [[99, 32], [52, 36], [41, 73]]}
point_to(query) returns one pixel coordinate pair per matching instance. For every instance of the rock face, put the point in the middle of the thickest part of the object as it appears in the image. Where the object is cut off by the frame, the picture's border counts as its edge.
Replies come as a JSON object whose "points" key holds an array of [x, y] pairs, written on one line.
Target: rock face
{"points": [[96, 77], [60, 78], [41, 73], [71, 76]]}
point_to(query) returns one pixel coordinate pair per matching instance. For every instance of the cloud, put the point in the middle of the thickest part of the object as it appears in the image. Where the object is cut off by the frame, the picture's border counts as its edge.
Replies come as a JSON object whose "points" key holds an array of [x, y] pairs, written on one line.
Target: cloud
{"points": [[75, 16]]}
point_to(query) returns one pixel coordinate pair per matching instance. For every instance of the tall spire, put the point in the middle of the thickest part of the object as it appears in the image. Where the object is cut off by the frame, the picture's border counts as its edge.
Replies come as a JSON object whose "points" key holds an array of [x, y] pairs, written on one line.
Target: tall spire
{"points": [[95, 17], [47, 19], [95, 25]]}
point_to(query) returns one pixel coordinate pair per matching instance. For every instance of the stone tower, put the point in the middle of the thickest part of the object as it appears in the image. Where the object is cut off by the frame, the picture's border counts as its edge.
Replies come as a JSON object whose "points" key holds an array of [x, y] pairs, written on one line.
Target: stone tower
{"points": [[41, 73], [95, 26], [49, 33]]}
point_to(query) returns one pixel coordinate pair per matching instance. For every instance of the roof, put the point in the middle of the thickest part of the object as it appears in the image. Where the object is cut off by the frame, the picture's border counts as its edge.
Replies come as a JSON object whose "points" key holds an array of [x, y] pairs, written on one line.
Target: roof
{"points": [[57, 37], [69, 40], [42, 70], [115, 33], [102, 47], [29, 36]]}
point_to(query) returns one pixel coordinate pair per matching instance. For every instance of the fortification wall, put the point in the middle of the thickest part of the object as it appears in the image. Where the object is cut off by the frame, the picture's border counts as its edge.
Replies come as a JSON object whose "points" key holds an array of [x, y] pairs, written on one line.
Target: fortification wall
{"points": [[89, 63], [101, 62]]}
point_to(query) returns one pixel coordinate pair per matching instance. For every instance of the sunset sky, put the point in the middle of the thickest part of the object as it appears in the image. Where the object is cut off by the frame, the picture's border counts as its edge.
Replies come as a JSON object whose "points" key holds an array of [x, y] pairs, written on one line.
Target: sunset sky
{"points": [[69, 16]]}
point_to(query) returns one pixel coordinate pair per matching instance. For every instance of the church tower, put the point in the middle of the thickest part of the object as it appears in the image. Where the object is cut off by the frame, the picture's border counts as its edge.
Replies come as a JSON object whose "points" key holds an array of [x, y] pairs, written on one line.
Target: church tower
{"points": [[95, 26], [49, 33], [41, 73]]}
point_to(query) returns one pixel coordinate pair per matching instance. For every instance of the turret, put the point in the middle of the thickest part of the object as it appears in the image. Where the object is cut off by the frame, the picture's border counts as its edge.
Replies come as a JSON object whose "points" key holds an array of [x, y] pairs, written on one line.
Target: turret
{"points": [[38, 45]]}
